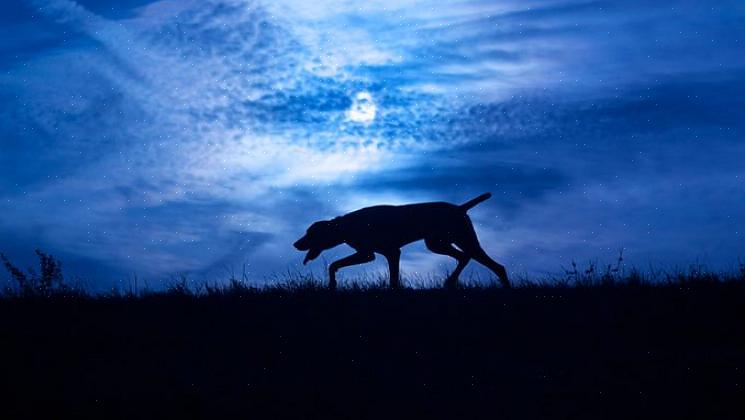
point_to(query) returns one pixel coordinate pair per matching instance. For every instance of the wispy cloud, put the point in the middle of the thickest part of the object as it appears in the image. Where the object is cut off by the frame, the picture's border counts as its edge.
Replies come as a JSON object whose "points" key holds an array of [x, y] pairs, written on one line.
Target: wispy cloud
{"points": [[183, 135]]}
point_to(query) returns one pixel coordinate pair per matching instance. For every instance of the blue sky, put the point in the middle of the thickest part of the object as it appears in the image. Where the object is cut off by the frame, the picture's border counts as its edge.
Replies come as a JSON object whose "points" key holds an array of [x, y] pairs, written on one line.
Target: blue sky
{"points": [[157, 138]]}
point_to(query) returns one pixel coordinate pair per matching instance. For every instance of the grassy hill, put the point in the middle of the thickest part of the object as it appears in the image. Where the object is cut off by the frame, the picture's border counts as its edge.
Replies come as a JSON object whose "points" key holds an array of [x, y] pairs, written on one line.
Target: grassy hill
{"points": [[611, 348]]}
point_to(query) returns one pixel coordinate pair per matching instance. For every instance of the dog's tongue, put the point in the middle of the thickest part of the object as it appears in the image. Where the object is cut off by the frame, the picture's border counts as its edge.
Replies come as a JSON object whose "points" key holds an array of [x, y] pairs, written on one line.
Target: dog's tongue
{"points": [[311, 255]]}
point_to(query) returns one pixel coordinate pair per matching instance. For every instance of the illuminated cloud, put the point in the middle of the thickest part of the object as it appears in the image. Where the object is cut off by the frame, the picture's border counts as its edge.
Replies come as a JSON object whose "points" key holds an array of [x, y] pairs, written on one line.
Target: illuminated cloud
{"points": [[183, 136]]}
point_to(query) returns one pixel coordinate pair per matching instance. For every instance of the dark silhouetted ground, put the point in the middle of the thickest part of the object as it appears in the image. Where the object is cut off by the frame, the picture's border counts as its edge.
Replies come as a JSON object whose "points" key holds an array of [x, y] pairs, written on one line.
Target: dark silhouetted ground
{"points": [[606, 351]]}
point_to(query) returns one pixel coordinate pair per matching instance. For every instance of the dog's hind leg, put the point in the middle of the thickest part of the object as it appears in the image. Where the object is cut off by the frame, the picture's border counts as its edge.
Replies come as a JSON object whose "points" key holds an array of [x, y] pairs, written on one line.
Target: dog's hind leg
{"points": [[445, 248], [393, 256], [354, 259], [481, 256], [469, 243]]}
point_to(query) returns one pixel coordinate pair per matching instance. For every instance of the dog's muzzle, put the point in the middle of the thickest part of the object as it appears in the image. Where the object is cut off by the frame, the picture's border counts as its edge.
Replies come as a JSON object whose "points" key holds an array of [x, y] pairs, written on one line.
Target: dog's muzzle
{"points": [[311, 255]]}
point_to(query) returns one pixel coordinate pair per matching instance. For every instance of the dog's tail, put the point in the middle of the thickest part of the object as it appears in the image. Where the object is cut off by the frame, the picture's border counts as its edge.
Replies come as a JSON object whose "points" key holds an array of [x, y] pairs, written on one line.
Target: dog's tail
{"points": [[470, 204]]}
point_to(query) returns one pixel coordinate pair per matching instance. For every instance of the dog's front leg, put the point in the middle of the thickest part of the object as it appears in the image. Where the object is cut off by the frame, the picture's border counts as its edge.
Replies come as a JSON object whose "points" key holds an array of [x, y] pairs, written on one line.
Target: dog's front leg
{"points": [[354, 259], [393, 257]]}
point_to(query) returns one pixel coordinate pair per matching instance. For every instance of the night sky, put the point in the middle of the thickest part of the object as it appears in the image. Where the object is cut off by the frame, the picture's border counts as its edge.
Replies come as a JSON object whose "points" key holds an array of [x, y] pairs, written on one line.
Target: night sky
{"points": [[193, 137]]}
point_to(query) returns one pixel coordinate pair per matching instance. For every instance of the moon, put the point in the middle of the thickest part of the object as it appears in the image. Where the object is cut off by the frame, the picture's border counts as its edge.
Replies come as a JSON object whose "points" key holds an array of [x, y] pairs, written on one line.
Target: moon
{"points": [[363, 109]]}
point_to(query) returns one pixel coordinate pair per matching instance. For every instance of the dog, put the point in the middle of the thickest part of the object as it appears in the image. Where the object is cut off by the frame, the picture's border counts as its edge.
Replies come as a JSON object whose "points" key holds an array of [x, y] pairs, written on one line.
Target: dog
{"points": [[385, 229]]}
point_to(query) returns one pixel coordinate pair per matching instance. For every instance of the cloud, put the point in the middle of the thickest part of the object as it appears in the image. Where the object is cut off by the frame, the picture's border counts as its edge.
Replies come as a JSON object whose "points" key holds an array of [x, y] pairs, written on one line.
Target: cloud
{"points": [[180, 136]]}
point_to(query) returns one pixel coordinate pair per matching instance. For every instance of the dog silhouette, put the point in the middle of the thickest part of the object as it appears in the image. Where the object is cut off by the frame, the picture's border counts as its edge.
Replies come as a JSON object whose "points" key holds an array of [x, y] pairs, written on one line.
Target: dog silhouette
{"points": [[385, 229]]}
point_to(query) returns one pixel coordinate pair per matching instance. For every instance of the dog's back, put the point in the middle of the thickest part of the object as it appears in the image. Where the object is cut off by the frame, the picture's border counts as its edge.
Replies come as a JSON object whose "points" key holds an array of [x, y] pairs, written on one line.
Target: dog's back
{"points": [[395, 226]]}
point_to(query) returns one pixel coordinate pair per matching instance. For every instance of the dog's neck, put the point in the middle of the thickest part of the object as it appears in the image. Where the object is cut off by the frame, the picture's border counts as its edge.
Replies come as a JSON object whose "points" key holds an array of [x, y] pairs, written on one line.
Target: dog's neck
{"points": [[336, 225]]}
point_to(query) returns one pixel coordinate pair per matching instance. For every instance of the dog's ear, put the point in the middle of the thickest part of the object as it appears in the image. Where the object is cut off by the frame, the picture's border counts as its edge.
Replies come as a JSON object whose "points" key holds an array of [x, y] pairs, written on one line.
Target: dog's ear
{"points": [[319, 227], [328, 224], [321, 224]]}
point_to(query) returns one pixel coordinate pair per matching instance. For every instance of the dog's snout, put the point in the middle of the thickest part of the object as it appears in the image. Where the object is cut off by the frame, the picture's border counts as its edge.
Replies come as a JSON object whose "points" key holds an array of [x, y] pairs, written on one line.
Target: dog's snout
{"points": [[299, 244]]}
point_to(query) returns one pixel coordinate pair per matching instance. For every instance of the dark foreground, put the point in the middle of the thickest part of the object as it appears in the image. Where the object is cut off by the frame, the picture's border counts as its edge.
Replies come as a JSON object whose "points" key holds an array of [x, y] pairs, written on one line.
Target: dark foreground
{"points": [[675, 351]]}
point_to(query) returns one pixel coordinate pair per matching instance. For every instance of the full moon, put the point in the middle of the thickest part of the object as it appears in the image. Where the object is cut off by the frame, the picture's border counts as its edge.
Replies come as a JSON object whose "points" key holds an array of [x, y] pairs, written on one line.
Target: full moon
{"points": [[363, 108]]}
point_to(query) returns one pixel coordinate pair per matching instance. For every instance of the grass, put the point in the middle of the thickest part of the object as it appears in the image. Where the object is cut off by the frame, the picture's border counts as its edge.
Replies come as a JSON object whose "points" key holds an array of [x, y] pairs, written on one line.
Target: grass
{"points": [[49, 282], [590, 343]]}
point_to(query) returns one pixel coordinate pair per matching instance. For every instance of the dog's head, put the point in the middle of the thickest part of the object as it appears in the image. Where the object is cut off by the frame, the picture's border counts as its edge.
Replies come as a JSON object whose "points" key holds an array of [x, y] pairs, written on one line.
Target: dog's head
{"points": [[319, 237]]}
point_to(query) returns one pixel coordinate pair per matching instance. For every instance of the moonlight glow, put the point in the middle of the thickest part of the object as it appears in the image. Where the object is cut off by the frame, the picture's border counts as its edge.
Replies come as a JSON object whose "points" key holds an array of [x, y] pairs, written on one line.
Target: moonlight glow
{"points": [[363, 108], [154, 137]]}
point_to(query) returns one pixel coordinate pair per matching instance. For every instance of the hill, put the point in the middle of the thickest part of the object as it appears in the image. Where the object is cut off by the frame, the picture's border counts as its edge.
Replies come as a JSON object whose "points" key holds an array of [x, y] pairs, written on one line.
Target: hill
{"points": [[613, 349]]}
